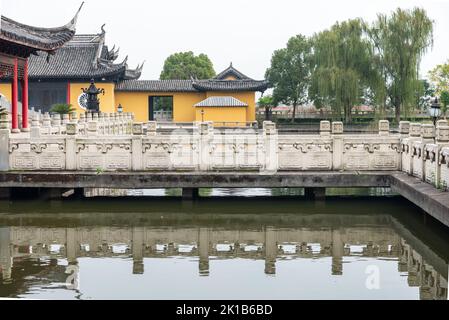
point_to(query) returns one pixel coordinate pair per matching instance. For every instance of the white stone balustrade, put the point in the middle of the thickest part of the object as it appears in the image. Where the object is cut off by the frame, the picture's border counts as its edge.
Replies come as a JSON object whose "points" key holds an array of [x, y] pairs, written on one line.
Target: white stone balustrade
{"points": [[113, 142]]}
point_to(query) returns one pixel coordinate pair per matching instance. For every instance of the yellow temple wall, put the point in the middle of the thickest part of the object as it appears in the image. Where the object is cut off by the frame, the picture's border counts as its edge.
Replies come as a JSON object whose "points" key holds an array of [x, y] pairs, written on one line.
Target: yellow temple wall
{"points": [[107, 101], [232, 115], [137, 102], [5, 90]]}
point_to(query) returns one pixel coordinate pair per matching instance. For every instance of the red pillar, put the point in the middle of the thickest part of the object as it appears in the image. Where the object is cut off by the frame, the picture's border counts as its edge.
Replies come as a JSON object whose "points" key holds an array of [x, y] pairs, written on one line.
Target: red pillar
{"points": [[25, 98], [68, 92], [15, 94]]}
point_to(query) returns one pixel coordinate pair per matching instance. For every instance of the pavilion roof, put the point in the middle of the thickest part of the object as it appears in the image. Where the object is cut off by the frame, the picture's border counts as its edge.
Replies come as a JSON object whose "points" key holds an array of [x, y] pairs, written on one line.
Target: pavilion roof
{"points": [[32, 39], [222, 101]]}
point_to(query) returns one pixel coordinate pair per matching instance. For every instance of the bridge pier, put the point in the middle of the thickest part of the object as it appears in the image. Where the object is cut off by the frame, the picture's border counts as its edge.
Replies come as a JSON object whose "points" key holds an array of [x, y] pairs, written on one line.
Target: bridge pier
{"points": [[190, 193], [51, 193], [5, 193], [315, 193]]}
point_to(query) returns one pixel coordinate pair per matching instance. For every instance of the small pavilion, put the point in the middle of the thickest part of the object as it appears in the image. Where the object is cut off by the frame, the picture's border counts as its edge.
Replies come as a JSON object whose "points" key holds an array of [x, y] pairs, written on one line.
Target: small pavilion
{"points": [[17, 42]]}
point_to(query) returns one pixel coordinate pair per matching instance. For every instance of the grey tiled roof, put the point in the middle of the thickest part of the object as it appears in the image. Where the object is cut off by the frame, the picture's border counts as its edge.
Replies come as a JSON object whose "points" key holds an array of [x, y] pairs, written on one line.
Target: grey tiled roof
{"points": [[230, 85], [221, 102], [45, 39], [84, 57], [191, 85], [231, 71], [156, 86]]}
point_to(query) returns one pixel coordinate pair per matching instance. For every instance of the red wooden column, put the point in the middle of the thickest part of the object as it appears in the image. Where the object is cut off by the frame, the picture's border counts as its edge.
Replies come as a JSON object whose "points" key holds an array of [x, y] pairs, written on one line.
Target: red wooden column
{"points": [[15, 95], [25, 97], [68, 92]]}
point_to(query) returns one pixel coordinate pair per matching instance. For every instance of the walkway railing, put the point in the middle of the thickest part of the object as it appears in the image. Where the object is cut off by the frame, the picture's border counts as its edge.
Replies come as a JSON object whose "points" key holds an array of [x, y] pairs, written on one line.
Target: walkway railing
{"points": [[113, 142]]}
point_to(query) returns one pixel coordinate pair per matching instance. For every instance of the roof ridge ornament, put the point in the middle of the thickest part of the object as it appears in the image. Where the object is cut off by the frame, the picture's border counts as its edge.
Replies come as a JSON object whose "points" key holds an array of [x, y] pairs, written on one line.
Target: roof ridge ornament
{"points": [[72, 24]]}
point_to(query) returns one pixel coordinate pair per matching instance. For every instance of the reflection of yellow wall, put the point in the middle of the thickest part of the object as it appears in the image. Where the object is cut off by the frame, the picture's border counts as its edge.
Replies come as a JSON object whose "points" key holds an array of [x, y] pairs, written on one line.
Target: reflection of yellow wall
{"points": [[107, 102], [5, 90], [245, 96], [137, 102], [222, 114]]}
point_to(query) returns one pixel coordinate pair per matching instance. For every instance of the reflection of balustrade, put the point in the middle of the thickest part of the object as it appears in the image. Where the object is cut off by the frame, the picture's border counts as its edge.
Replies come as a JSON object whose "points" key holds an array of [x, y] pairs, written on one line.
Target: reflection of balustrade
{"points": [[269, 244]]}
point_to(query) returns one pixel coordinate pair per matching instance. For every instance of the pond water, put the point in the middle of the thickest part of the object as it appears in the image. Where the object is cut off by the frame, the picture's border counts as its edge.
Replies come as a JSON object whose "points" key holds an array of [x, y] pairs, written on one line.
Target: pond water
{"points": [[221, 248]]}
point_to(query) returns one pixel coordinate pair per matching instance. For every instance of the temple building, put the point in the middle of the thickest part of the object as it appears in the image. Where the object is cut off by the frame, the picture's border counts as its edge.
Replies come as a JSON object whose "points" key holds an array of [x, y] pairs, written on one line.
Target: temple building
{"points": [[228, 97], [17, 43]]}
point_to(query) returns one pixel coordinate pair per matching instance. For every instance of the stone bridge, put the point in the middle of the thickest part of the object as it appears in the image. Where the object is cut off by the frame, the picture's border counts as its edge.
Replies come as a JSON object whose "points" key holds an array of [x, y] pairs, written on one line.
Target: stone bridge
{"points": [[112, 151]]}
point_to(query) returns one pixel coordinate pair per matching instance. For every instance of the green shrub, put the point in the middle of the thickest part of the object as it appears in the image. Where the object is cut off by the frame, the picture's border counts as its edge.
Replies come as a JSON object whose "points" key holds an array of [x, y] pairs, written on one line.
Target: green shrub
{"points": [[62, 108]]}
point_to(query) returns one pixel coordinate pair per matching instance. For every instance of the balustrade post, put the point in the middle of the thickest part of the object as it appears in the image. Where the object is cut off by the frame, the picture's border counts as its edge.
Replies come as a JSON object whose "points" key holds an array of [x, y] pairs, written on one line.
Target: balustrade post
{"points": [[337, 153], [415, 135], [442, 141], [404, 128], [427, 137], [325, 128], [384, 127], [137, 163], [92, 128], [70, 156], [35, 126], [206, 136], [4, 141], [270, 135], [56, 123], [151, 128], [46, 123], [65, 119]]}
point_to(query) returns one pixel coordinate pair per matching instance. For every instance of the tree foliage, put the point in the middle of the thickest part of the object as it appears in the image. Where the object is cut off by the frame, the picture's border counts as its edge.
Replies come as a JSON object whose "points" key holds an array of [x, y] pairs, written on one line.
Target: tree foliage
{"points": [[185, 65], [268, 103], [289, 73], [400, 40], [342, 68], [439, 76]]}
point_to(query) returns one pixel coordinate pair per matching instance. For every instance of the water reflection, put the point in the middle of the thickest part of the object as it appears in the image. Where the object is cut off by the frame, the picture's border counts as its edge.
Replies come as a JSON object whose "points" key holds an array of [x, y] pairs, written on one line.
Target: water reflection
{"points": [[293, 255]]}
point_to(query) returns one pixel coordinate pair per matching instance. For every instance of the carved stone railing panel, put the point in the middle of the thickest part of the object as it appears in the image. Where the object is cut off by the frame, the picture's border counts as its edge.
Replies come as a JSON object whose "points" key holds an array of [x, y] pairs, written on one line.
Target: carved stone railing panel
{"points": [[444, 167], [37, 154], [431, 163], [103, 154], [371, 153], [305, 153]]}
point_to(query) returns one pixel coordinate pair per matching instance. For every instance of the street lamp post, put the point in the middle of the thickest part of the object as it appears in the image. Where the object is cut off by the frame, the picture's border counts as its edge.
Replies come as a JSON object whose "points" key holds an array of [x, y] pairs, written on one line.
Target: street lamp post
{"points": [[202, 115], [435, 111]]}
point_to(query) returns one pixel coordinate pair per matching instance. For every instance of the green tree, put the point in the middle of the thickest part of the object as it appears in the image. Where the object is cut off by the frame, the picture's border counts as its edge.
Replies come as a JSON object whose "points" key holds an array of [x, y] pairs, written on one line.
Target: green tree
{"points": [[400, 40], [268, 103], [342, 68], [444, 99], [185, 65], [439, 76], [62, 108], [289, 73]]}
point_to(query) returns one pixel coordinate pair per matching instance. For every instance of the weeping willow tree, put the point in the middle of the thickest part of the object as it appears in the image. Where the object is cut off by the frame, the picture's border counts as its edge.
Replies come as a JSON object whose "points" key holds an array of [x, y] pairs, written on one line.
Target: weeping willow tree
{"points": [[400, 41], [342, 67]]}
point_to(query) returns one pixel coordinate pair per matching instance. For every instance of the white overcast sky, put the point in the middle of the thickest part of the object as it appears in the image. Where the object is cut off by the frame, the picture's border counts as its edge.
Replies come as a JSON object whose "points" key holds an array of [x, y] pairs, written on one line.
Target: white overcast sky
{"points": [[245, 32]]}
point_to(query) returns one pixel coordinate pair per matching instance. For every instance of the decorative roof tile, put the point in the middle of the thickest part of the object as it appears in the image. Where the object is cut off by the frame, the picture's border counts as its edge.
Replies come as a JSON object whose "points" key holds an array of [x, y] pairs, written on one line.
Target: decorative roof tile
{"points": [[156, 86], [84, 57], [230, 85], [224, 101]]}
